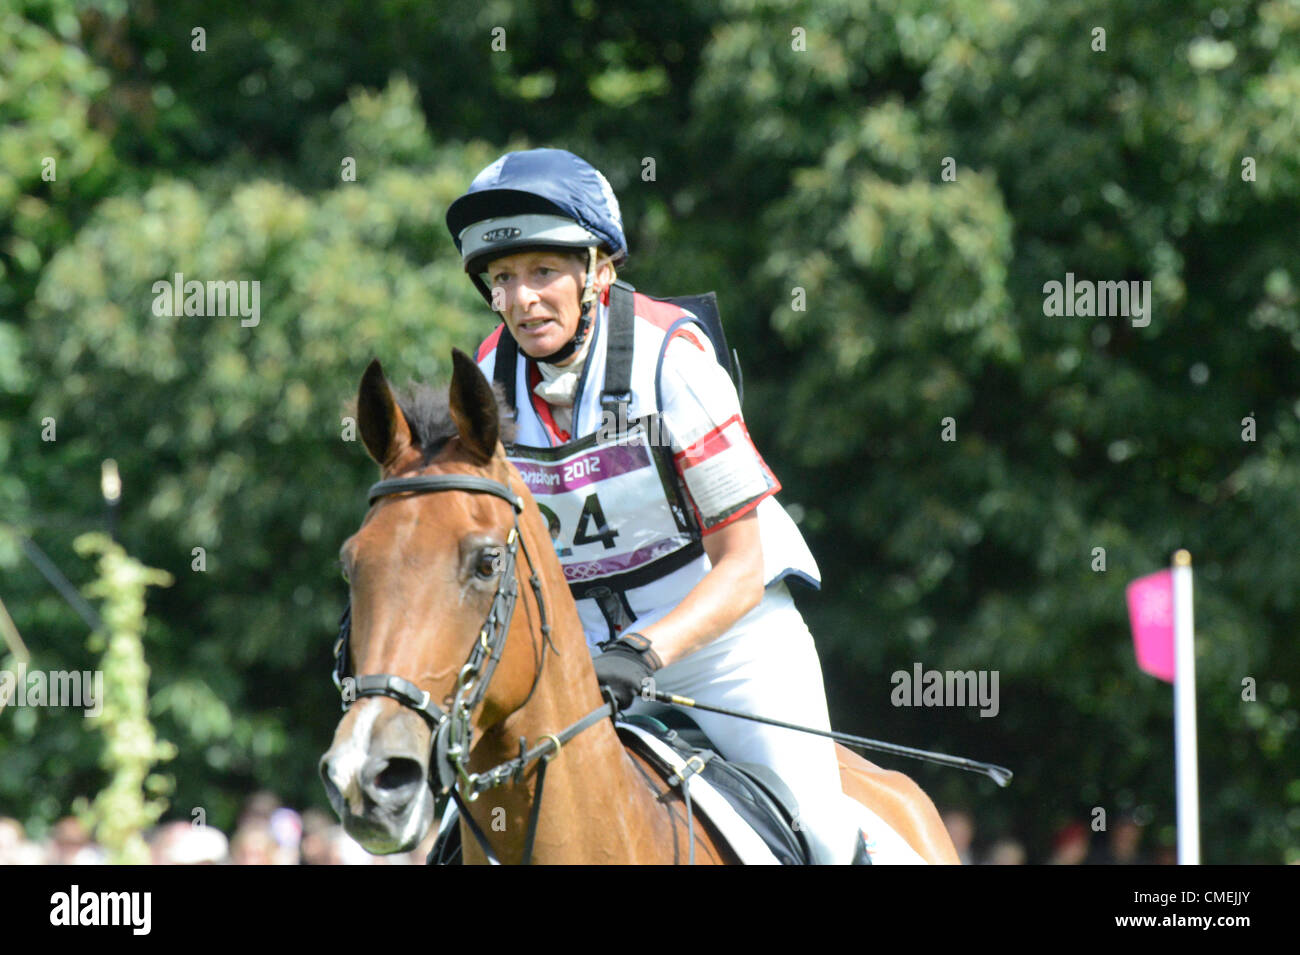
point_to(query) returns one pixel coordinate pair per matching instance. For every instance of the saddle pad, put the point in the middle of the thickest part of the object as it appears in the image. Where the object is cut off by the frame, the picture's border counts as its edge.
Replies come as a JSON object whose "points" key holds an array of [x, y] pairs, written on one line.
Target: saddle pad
{"points": [[736, 807], [884, 845]]}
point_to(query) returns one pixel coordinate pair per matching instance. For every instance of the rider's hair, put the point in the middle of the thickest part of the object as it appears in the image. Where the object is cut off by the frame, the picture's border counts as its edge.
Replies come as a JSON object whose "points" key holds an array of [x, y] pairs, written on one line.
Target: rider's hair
{"points": [[602, 257]]}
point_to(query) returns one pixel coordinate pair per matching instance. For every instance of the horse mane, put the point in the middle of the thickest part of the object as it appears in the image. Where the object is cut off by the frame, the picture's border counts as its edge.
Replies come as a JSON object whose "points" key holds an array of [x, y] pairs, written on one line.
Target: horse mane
{"points": [[428, 414]]}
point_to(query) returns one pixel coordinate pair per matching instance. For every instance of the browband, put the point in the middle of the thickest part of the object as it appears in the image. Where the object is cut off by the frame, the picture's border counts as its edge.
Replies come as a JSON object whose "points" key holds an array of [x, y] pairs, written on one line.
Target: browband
{"points": [[446, 482]]}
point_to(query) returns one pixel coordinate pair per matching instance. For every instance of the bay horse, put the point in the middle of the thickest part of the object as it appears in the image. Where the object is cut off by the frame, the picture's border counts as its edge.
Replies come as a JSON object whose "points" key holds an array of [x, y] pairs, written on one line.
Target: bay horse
{"points": [[443, 609]]}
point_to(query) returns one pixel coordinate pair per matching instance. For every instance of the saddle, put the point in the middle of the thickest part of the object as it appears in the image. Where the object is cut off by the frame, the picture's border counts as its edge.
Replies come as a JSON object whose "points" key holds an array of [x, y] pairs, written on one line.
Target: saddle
{"points": [[746, 804]]}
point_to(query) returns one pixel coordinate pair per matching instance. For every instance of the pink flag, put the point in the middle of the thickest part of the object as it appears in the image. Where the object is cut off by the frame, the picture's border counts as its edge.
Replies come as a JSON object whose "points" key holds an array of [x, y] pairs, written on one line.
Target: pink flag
{"points": [[1151, 612]]}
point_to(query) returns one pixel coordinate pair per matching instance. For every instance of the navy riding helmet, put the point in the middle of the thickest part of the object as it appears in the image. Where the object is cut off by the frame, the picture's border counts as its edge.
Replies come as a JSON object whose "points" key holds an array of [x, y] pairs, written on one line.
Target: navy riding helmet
{"points": [[538, 198]]}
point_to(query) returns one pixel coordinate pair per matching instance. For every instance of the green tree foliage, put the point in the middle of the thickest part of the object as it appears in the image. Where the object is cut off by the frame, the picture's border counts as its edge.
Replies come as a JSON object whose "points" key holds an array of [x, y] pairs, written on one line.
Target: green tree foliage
{"points": [[925, 300], [54, 165]]}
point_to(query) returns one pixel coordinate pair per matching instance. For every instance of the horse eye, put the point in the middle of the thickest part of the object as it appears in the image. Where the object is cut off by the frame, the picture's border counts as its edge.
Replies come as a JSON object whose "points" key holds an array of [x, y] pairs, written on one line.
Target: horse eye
{"points": [[489, 564]]}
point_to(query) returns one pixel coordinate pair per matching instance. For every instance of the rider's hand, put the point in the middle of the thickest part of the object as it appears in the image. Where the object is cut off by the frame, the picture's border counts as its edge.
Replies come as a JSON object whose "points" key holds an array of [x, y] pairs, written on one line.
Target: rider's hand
{"points": [[623, 665]]}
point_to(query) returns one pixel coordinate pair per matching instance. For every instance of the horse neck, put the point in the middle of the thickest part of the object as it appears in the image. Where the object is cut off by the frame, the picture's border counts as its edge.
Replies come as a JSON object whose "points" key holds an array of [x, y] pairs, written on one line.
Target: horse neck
{"points": [[592, 787]]}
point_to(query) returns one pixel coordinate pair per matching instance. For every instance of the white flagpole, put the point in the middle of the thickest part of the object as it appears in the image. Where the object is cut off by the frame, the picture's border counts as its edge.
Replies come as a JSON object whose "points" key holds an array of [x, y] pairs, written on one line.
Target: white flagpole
{"points": [[1189, 809]]}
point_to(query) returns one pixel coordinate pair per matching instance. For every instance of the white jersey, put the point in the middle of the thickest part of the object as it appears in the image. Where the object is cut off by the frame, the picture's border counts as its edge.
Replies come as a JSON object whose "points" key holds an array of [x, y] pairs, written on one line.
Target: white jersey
{"points": [[629, 502]]}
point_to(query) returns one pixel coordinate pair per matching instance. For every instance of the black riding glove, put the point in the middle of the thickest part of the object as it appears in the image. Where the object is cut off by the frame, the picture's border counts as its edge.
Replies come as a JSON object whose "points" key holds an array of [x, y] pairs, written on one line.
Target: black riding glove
{"points": [[623, 665]]}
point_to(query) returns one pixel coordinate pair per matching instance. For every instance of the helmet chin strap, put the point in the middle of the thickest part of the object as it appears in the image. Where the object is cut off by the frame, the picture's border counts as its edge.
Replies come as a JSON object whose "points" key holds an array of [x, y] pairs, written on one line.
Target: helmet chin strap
{"points": [[584, 321]]}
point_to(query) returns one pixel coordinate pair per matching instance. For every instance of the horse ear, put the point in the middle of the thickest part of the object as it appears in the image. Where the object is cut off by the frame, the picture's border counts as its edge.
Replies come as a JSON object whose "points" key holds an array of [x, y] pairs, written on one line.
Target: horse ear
{"points": [[473, 407], [383, 426]]}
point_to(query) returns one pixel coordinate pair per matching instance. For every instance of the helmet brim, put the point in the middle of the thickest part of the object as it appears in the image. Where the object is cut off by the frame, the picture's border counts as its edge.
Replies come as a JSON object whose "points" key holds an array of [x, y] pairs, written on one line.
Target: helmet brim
{"points": [[492, 204]]}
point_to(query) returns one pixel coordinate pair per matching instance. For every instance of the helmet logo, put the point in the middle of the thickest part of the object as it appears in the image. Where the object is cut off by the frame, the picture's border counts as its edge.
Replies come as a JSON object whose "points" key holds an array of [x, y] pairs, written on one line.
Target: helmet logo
{"points": [[500, 235]]}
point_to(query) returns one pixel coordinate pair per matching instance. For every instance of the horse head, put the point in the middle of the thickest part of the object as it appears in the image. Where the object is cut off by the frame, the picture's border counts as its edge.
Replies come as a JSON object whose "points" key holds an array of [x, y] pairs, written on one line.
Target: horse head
{"points": [[446, 607]]}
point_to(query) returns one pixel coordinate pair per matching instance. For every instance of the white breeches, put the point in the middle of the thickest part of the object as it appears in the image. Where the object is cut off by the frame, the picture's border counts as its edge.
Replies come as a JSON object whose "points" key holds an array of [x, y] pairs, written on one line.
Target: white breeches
{"points": [[767, 664]]}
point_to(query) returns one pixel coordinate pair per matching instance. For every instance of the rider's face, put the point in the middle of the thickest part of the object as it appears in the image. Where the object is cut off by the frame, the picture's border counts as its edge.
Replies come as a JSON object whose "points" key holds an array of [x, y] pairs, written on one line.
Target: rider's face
{"points": [[537, 293]]}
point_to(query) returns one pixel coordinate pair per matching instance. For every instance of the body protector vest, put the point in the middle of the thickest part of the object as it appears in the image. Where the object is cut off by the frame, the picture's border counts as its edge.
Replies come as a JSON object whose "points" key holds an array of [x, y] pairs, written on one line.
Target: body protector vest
{"points": [[630, 491]]}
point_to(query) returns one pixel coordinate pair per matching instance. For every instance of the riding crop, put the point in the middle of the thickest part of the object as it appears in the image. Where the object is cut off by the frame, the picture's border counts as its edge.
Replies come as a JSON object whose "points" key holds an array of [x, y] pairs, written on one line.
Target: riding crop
{"points": [[999, 774]]}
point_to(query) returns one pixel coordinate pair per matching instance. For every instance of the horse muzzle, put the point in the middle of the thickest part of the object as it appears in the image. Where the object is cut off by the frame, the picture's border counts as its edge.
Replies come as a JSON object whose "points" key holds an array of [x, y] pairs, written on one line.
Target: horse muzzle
{"points": [[377, 783]]}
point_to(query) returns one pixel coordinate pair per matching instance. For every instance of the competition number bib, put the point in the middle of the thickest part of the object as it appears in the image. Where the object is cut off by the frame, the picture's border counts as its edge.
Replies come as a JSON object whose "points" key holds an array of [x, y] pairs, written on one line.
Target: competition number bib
{"points": [[607, 503]]}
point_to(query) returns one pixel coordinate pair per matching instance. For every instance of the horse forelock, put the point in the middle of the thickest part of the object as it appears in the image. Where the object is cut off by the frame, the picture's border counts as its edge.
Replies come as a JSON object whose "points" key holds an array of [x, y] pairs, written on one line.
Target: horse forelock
{"points": [[428, 414]]}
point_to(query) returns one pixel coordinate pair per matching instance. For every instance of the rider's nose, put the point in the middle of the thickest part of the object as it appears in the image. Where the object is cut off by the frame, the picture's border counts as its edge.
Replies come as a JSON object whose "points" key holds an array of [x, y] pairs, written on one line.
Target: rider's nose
{"points": [[392, 781], [525, 295]]}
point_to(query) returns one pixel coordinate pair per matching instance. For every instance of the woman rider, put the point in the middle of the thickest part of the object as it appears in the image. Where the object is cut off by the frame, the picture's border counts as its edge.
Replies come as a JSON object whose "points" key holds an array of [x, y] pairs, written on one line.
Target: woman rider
{"points": [[662, 511]]}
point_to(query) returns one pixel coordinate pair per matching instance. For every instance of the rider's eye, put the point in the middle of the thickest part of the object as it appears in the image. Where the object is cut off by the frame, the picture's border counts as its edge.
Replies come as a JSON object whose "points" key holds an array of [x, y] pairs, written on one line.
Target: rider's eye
{"points": [[489, 564]]}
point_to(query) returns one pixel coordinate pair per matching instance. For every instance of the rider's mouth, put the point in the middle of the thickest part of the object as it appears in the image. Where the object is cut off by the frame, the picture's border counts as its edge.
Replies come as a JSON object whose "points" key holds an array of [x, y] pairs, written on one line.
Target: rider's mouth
{"points": [[533, 326]]}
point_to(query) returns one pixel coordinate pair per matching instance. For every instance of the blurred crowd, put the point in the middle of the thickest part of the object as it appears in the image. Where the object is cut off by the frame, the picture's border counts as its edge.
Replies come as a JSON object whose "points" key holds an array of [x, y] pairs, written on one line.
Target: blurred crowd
{"points": [[1073, 843], [267, 833]]}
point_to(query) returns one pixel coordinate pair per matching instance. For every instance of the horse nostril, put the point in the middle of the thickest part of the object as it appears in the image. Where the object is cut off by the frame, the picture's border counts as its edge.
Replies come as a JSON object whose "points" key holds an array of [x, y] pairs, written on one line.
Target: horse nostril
{"points": [[390, 776]]}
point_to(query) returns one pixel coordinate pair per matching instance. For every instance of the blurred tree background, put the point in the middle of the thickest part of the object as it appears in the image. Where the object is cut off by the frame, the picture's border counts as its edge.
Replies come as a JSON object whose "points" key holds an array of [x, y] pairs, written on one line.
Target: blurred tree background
{"points": [[790, 155]]}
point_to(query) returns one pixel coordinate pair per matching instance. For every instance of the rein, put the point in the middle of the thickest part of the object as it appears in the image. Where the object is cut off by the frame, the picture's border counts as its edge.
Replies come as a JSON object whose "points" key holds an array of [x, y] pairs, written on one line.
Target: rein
{"points": [[453, 729]]}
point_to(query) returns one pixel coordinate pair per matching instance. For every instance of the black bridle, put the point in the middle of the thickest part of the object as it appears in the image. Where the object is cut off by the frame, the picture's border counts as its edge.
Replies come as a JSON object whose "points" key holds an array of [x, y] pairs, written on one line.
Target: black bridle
{"points": [[452, 728]]}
